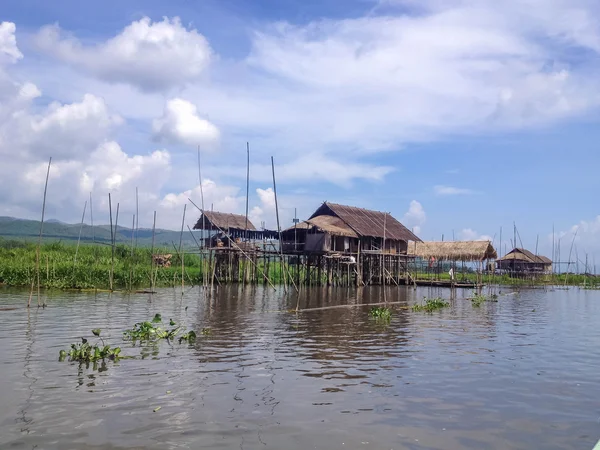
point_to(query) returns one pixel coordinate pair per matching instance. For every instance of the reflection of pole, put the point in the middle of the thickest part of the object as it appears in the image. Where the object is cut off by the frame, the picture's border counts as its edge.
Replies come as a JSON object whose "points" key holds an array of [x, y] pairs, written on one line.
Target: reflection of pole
{"points": [[278, 227]]}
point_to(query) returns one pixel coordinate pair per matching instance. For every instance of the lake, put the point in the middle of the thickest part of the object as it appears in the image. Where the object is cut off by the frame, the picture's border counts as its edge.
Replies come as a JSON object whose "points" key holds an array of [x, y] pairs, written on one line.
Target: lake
{"points": [[520, 373]]}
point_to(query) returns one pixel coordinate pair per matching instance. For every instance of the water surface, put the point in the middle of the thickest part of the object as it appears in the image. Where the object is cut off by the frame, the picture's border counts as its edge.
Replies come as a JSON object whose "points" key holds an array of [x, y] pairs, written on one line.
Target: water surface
{"points": [[522, 373]]}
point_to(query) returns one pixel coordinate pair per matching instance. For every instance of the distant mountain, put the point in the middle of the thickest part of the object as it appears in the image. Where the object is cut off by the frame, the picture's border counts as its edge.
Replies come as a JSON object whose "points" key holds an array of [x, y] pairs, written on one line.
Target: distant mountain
{"points": [[14, 228]]}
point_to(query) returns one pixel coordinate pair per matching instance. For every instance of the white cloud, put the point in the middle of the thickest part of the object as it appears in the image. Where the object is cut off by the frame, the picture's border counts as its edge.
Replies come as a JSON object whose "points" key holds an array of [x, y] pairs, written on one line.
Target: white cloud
{"points": [[451, 190], [415, 217], [265, 211], [453, 67], [8, 43], [468, 234], [60, 130], [181, 124], [587, 238], [311, 166], [152, 56]]}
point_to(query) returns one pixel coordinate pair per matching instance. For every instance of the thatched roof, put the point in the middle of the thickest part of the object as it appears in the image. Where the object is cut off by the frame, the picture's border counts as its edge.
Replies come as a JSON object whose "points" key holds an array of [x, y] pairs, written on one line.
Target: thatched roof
{"points": [[225, 221], [329, 224], [454, 250], [521, 254], [365, 222]]}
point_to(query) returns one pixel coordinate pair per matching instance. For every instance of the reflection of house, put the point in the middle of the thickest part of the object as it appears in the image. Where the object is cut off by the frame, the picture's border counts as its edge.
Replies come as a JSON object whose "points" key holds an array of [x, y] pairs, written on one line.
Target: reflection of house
{"points": [[520, 260], [347, 229]]}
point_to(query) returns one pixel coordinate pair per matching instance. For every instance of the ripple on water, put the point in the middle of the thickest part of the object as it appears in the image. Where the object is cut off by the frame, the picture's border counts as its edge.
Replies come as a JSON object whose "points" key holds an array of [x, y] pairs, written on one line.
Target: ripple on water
{"points": [[513, 374]]}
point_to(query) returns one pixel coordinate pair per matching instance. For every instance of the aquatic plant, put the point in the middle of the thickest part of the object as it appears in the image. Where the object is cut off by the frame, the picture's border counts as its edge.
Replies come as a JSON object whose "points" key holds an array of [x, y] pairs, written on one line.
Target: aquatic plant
{"points": [[153, 331], [85, 352], [190, 336], [431, 304], [381, 313], [478, 299]]}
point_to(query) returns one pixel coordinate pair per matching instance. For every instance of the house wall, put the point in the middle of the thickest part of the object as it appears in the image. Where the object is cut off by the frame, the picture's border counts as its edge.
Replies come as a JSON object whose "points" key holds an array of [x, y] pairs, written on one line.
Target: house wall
{"points": [[317, 242]]}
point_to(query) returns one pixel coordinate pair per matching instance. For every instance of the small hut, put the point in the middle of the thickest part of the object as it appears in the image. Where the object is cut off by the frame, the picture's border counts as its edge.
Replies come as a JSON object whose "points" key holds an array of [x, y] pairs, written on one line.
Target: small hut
{"points": [[457, 251], [222, 225], [434, 259], [522, 261]]}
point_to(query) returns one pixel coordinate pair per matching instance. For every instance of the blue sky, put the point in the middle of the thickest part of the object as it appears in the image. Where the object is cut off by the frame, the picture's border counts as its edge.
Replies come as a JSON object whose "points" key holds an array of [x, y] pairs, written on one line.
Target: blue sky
{"points": [[457, 117]]}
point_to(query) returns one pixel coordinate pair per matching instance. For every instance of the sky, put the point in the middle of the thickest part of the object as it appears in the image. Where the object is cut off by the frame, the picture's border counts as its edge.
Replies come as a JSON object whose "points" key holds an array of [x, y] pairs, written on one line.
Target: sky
{"points": [[460, 118]]}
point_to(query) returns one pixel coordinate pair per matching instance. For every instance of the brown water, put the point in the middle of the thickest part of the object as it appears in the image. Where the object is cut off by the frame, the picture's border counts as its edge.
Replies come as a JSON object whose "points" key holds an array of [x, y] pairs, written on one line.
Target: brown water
{"points": [[523, 373]]}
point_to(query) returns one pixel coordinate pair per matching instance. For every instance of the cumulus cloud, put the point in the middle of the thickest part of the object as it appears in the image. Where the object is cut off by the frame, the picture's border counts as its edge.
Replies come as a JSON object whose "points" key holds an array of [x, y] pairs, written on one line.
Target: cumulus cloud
{"points": [[468, 234], [60, 130], [9, 52], [152, 56], [451, 190], [415, 217], [180, 124], [586, 234], [265, 211]]}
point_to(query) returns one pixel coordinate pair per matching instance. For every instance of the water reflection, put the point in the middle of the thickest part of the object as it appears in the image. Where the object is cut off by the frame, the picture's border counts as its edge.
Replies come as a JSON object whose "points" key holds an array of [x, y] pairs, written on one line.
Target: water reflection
{"points": [[513, 374]]}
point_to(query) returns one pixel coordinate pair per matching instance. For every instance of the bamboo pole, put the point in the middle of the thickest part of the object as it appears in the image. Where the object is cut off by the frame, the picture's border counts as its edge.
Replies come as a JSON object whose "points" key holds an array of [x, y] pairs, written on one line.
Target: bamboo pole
{"points": [[114, 243], [279, 228], [181, 256], [570, 252], [112, 247], [152, 254], [37, 253], [80, 229], [132, 252], [204, 279], [137, 217]]}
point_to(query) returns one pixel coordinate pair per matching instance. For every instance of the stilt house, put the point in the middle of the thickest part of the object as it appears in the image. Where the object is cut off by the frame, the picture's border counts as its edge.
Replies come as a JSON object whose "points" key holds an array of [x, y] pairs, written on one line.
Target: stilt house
{"points": [[347, 229], [522, 261]]}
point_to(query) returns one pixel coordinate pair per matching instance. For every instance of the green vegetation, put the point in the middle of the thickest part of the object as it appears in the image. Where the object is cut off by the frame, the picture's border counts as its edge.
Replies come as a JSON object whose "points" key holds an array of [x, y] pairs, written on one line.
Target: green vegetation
{"points": [[572, 279], [431, 304], [92, 269], [478, 299], [86, 353], [147, 332], [381, 313], [152, 331]]}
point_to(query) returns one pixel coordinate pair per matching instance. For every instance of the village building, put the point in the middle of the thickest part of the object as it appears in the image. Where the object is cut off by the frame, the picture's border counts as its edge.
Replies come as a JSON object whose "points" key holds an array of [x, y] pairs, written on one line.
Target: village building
{"points": [[522, 261], [348, 229]]}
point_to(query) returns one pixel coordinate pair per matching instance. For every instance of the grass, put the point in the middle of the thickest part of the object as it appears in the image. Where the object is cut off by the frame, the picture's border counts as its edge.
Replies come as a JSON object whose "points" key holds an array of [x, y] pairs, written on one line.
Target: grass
{"points": [[431, 304]]}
